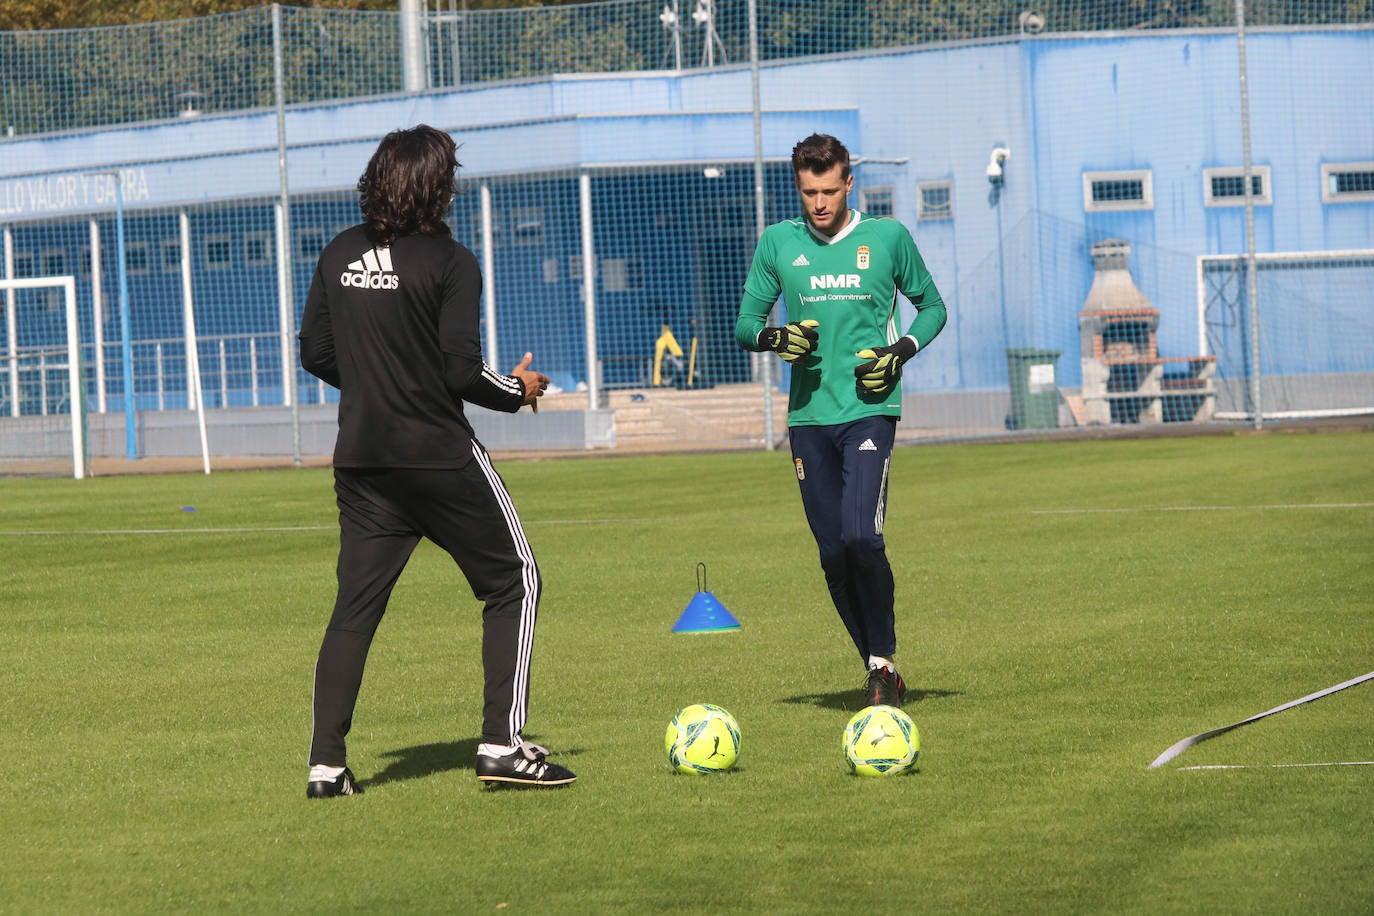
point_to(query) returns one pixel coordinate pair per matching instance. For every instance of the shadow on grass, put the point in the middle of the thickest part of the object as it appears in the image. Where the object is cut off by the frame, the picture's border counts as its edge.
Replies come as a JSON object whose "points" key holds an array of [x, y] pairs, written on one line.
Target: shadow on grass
{"points": [[853, 700], [425, 760], [428, 759]]}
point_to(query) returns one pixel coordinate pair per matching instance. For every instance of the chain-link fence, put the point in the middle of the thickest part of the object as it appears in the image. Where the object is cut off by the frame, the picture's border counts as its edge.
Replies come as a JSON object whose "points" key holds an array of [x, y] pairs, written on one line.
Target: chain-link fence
{"points": [[617, 156]]}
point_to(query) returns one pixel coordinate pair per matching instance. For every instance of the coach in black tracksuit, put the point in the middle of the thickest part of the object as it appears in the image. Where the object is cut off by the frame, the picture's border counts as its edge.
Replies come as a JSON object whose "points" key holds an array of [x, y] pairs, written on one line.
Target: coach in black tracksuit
{"points": [[392, 321]]}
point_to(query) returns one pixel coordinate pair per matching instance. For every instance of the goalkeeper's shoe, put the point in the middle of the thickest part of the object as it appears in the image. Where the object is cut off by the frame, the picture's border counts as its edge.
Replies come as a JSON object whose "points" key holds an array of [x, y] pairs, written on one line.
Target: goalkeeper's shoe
{"points": [[791, 341], [525, 766], [324, 785], [885, 688], [882, 366]]}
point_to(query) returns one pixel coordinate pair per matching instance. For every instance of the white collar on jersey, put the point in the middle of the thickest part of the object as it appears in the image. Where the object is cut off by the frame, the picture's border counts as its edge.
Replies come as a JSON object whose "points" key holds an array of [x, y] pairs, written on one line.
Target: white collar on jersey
{"points": [[832, 239]]}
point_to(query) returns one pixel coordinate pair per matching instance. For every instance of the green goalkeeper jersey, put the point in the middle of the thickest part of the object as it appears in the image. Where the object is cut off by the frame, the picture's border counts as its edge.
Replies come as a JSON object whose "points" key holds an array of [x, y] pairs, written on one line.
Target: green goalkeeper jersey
{"points": [[848, 283]]}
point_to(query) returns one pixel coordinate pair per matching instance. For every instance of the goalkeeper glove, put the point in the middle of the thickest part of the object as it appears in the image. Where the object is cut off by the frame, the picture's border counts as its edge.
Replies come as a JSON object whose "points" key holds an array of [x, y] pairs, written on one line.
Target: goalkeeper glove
{"points": [[883, 366], [791, 341]]}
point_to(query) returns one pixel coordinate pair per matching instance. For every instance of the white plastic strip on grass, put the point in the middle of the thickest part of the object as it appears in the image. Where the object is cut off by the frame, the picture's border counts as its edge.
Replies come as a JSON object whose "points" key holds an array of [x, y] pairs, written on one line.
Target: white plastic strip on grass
{"points": [[1188, 742], [1278, 766]]}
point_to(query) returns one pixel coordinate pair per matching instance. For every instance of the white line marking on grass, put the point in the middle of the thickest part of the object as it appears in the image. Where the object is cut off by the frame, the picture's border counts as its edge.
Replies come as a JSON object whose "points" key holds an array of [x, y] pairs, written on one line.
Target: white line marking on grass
{"points": [[1278, 766], [267, 530], [108, 531], [592, 521], [1279, 506]]}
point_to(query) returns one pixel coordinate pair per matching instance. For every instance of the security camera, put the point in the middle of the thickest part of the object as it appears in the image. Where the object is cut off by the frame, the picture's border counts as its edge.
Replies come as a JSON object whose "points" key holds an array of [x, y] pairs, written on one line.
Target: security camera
{"points": [[999, 156], [1032, 22]]}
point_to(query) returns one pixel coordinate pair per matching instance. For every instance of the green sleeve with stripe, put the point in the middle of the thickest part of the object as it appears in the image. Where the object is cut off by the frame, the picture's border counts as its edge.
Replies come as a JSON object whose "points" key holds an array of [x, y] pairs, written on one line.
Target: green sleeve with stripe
{"points": [[761, 290], [916, 283]]}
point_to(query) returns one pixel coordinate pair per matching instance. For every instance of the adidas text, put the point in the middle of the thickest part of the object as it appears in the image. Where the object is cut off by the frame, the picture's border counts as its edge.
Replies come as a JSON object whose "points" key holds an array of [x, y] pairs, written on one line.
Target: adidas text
{"points": [[365, 279]]}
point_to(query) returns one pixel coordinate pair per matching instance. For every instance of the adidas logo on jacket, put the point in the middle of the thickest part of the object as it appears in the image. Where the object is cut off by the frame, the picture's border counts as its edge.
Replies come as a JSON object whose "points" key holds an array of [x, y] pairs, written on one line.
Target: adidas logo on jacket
{"points": [[371, 271]]}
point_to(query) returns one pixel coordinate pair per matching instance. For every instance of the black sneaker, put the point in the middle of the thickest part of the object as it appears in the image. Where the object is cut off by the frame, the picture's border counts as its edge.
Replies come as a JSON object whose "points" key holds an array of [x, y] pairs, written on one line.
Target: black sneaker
{"points": [[525, 766], [321, 786], [885, 688]]}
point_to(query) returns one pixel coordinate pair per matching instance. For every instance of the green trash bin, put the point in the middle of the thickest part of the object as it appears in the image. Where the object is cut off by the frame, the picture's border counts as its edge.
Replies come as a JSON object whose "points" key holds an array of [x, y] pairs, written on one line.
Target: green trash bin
{"points": [[1034, 394]]}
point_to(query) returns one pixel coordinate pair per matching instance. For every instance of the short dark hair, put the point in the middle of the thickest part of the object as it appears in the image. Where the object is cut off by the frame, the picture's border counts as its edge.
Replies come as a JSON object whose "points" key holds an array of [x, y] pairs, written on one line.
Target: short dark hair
{"points": [[820, 153], [408, 185]]}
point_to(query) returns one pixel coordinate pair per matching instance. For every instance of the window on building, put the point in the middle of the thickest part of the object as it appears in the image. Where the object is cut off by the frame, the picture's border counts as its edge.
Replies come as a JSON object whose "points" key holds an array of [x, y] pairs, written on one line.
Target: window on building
{"points": [[934, 201], [219, 251], [620, 275], [54, 262], [1226, 187], [876, 201], [1348, 182], [136, 257], [24, 264], [1125, 190], [527, 226], [309, 244], [257, 250], [171, 255]]}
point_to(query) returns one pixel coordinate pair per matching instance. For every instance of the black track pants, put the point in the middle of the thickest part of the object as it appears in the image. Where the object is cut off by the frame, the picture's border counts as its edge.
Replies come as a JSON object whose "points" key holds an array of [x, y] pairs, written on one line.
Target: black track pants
{"points": [[842, 472], [383, 513]]}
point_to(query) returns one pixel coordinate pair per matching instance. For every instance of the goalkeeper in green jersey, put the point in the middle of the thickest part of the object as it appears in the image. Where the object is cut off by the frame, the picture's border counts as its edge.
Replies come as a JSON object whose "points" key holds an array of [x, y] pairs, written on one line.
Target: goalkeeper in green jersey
{"points": [[839, 272]]}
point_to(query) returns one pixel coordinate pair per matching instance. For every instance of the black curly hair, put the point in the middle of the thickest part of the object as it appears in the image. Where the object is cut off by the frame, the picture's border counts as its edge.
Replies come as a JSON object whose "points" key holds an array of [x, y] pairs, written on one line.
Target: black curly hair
{"points": [[408, 184]]}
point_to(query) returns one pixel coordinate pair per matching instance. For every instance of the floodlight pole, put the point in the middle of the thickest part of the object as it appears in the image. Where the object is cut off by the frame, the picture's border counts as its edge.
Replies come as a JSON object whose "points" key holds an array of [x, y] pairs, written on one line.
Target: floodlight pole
{"points": [[705, 16], [1251, 273], [414, 75], [671, 17]]}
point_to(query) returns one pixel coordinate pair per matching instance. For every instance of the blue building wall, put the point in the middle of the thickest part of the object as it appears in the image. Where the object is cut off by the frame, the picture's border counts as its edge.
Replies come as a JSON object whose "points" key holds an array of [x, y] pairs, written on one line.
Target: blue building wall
{"points": [[1014, 267]]}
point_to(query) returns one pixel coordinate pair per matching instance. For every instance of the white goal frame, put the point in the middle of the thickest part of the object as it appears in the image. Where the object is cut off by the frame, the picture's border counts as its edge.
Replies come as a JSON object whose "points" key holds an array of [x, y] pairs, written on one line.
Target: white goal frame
{"points": [[1263, 260], [11, 357]]}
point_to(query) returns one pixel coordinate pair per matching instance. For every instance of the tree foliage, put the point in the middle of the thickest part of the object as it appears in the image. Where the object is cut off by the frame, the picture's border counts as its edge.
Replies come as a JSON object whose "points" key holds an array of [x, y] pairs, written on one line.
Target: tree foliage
{"points": [[34, 15], [158, 59]]}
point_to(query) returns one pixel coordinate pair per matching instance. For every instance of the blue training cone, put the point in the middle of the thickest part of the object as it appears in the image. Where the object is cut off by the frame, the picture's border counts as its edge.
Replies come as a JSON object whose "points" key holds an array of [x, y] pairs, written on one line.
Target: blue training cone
{"points": [[704, 613]]}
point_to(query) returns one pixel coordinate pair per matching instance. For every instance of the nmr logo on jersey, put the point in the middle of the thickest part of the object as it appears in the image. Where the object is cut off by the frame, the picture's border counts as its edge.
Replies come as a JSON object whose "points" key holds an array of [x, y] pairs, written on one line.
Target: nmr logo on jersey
{"points": [[371, 271], [835, 281]]}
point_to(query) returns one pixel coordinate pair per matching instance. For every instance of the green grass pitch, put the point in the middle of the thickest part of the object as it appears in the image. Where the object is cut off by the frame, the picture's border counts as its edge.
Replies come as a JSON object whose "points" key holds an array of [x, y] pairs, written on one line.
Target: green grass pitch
{"points": [[1066, 612]]}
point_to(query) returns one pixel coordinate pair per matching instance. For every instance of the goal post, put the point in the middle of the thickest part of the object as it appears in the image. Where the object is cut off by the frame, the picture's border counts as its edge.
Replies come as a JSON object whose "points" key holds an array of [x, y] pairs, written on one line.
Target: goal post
{"points": [[1315, 324], [42, 423]]}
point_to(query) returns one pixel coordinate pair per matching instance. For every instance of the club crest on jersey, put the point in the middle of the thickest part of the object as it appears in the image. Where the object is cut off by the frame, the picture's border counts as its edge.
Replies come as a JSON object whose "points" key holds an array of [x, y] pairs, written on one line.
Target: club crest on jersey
{"points": [[863, 258], [801, 471]]}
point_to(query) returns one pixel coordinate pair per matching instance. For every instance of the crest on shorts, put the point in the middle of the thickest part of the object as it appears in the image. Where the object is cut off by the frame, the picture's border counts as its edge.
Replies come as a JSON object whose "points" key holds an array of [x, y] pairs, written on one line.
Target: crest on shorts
{"points": [[863, 257], [801, 471]]}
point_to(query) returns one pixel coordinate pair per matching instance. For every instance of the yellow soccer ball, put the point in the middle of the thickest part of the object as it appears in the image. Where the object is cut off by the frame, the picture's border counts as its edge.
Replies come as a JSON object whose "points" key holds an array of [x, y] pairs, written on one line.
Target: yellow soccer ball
{"points": [[702, 738], [881, 741]]}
